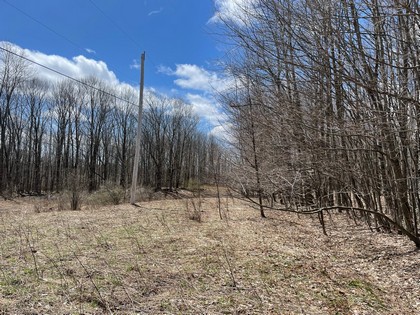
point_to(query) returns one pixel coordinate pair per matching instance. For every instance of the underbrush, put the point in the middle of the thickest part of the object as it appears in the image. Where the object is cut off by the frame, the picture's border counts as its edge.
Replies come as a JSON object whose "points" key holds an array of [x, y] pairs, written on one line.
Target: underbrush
{"points": [[155, 259]]}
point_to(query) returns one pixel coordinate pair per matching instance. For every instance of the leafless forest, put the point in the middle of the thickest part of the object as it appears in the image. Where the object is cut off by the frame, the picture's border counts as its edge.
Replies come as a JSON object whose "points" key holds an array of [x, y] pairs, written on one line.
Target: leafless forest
{"points": [[325, 110], [80, 135]]}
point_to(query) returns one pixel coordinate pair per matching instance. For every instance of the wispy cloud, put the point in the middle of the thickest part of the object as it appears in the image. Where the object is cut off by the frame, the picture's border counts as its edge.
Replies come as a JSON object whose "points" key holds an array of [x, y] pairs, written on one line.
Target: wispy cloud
{"points": [[155, 12], [90, 51], [135, 64]]}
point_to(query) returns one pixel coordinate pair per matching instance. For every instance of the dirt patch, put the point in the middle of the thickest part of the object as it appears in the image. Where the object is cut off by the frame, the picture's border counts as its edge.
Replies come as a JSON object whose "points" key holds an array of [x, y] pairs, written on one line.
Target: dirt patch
{"points": [[153, 259]]}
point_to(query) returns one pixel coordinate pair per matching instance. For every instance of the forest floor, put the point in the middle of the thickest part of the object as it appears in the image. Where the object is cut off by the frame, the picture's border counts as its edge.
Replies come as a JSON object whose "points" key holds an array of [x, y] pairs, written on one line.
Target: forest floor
{"points": [[154, 259]]}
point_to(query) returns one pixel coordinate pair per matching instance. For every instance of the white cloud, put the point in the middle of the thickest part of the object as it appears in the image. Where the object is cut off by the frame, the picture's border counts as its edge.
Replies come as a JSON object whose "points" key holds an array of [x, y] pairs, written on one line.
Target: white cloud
{"points": [[209, 111], [232, 10], [190, 77], [78, 67], [195, 78], [223, 132], [205, 107], [206, 83]]}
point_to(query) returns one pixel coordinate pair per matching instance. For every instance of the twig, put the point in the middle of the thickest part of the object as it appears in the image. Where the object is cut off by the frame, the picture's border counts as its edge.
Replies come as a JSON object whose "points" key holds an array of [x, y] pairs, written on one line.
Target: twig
{"points": [[90, 277], [231, 272]]}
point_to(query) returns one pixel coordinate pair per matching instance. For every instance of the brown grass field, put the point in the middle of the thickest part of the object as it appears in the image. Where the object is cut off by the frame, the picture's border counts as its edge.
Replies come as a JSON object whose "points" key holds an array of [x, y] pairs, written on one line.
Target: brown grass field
{"points": [[154, 259]]}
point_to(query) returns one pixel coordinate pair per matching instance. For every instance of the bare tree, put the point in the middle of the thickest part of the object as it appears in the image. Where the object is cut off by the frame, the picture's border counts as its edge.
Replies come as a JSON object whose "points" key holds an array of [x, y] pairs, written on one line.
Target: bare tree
{"points": [[336, 88], [35, 94], [13, 72], [125, 133], [72, 136], [98, 107]]}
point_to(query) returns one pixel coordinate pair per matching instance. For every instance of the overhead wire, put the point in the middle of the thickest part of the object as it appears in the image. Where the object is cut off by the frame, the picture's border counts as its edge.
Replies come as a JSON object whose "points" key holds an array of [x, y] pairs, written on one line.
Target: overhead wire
{"points": [[126, 34], [122, 30], [44, 25], [67, 76], [115, 24]]}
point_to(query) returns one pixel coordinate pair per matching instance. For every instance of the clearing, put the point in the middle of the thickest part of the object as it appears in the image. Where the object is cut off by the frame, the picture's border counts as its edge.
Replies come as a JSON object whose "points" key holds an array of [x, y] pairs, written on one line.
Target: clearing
{"points": [[154, 259]]}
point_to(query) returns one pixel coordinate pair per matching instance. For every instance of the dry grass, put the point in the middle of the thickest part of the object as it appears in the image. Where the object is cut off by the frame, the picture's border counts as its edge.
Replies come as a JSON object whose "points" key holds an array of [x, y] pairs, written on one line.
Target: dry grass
{"points": [[155, 260]]}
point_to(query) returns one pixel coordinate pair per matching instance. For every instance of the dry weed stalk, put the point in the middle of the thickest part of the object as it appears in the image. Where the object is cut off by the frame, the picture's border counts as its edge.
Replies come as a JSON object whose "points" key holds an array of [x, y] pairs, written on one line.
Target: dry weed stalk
{"points": [[194, 212], [230, 268]]}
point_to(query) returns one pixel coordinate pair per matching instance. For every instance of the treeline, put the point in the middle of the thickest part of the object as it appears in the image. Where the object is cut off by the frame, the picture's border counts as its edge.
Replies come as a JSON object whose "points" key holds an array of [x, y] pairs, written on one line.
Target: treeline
{"points": [[66, 135], [325, 107]]}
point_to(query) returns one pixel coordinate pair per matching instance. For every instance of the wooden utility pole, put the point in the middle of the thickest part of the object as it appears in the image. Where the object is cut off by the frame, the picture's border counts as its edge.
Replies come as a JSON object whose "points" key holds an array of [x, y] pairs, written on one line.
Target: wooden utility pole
{"points": [[137, 154]]}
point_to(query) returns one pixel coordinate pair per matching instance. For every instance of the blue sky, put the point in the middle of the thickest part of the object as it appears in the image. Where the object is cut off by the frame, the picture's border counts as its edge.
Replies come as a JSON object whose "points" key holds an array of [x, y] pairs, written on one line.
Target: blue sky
{"points": [[106, 38]]}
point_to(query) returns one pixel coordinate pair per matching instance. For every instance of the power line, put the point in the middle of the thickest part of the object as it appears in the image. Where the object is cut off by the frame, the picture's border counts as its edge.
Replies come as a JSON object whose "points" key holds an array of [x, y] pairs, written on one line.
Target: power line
{"points": [[64, 37], [129, 37], [137, 45], [116, 24], [44, 25], [67, 76]]}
